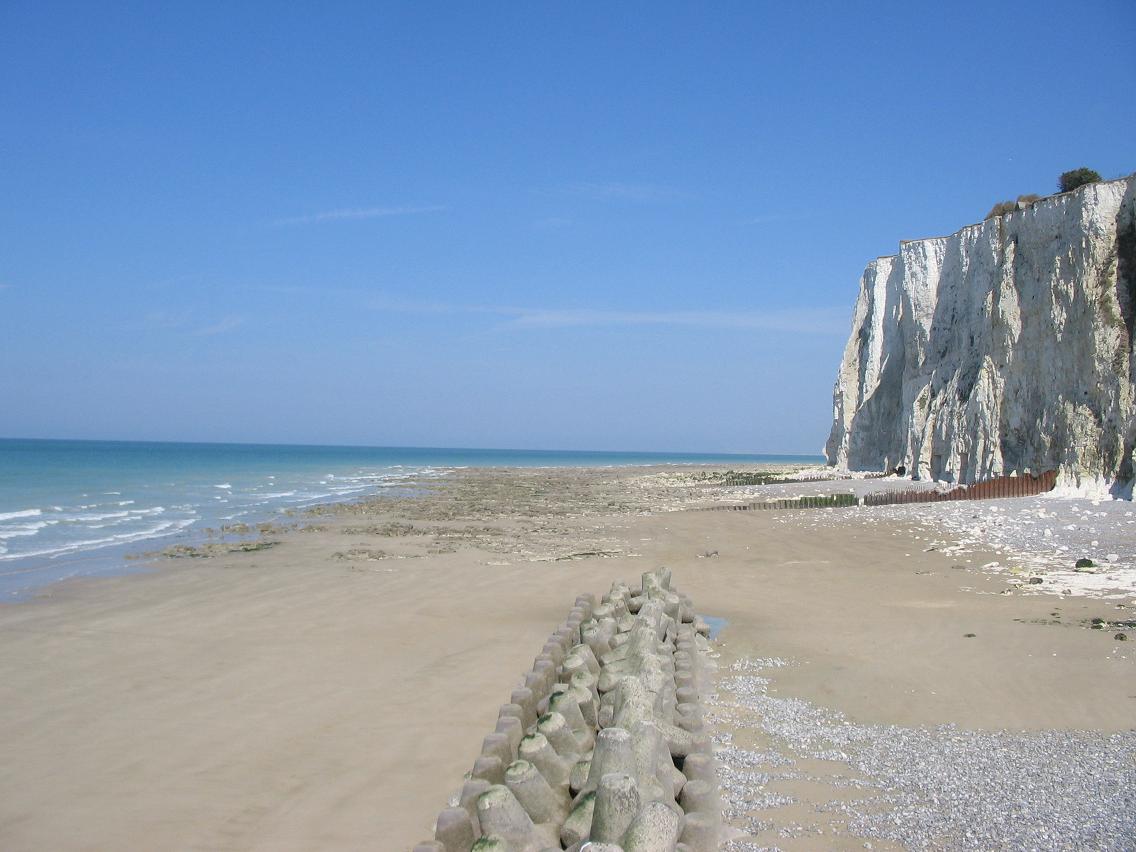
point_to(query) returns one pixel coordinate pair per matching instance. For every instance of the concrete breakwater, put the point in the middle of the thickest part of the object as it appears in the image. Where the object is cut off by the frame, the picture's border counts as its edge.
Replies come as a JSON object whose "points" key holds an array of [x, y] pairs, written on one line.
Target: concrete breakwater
{"points": [[603, 747]]}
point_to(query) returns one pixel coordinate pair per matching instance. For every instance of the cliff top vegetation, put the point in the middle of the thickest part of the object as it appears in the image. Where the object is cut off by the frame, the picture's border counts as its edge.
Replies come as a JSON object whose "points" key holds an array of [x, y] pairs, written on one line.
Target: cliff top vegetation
{"points": [[1076, 178], [1067, 182]]}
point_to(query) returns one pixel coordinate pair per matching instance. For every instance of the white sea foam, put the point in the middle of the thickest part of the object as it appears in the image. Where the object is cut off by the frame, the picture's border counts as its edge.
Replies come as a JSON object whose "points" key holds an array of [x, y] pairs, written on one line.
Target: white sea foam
{"points": [[30, 539], [26, 513], [118, 518], [162, 529], [21, 530], [96, 516]]}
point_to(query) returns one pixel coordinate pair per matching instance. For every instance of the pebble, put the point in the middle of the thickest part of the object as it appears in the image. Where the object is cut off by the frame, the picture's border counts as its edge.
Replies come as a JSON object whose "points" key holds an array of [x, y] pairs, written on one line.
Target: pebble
{"points": [[943, 787], [1010, 527]]}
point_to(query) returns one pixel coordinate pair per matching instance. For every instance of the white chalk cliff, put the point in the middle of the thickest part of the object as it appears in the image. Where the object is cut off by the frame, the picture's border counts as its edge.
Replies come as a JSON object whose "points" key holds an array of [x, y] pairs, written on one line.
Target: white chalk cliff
{"points": [[1005, 347]]}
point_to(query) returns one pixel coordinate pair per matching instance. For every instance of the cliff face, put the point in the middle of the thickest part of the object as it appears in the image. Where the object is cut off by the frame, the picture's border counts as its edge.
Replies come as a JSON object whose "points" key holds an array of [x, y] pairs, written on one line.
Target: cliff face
{"points": [[1005, 347]]}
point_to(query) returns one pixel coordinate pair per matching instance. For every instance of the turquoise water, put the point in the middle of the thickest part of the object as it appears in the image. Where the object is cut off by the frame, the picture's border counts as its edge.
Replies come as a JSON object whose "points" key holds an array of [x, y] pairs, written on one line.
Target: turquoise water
{"points": [[75, 508]]}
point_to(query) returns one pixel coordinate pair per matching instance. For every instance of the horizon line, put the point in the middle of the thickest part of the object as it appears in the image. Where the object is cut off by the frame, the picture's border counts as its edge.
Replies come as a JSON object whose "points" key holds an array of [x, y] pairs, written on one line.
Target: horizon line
{"points": [[722, 453]]}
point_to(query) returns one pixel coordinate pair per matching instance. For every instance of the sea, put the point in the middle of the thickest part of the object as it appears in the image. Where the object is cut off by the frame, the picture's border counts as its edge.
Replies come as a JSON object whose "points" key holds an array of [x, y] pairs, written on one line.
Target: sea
{"points": [[81, 508]]}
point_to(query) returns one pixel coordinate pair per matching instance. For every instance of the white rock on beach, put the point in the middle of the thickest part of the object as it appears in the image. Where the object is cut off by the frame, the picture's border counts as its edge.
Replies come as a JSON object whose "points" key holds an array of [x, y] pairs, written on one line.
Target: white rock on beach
{"points": [[1005, 347]]}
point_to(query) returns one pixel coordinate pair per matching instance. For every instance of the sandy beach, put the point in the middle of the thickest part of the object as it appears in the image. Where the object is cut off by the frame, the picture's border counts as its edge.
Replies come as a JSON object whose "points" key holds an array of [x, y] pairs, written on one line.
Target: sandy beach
{"points": [[468, 427], [329, 691]]}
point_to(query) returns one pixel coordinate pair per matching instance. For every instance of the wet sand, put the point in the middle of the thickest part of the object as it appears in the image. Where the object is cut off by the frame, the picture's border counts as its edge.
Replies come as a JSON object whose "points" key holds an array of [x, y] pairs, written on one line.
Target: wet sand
{"points": [[330, 691]]}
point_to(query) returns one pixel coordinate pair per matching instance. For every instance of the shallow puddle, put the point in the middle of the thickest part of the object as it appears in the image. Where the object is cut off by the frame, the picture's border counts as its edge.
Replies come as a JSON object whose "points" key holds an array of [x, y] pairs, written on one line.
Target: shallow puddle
{"points": [[716, 624]]}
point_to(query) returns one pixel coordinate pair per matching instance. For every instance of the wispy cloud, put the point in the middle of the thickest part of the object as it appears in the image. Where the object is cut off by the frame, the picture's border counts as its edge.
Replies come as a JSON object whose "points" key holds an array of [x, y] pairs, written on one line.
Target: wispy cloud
{"points": [[309, 290], [358, 213], [166, 320], [619, 191], [186, 322], [770, 218], [807, 321], [222, 325], [823, 320]]}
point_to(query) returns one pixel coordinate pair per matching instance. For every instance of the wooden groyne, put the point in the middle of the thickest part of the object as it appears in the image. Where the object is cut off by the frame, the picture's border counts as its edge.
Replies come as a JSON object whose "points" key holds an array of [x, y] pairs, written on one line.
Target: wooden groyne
{"points": [[828, 501], [1003, 486], [991, 489]]}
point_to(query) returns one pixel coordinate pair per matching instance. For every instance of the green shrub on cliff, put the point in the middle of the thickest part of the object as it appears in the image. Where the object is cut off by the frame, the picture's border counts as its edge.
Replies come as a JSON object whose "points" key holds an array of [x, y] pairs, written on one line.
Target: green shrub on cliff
{"points": [[1004, 207], [1066, 183], [1078, 177]]}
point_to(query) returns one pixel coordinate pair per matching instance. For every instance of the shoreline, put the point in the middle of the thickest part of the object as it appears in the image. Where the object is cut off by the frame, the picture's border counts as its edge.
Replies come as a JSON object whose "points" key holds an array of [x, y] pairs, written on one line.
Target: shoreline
{"points": [[140, 555], [196, 519], [329, 692]]}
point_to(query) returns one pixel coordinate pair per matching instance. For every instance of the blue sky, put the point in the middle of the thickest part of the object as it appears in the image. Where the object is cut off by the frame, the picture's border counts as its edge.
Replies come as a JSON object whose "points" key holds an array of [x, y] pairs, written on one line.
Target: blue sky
{"points": [[578, 226]]}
